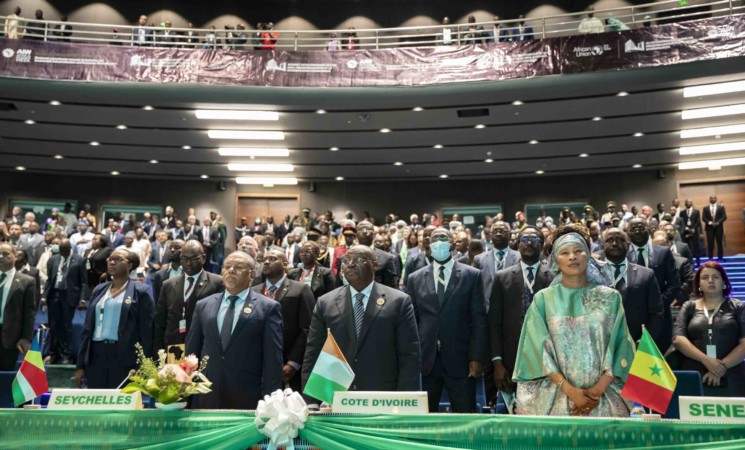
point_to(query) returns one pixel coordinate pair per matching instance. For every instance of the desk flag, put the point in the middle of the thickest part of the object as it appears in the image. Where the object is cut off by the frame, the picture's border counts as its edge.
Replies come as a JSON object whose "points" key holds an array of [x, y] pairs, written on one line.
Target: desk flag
{"points": [[651, 382], [31, 379], [330, 374]]}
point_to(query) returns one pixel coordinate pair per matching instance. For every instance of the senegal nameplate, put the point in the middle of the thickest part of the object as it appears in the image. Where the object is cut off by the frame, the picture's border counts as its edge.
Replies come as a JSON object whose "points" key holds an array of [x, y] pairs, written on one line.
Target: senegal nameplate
{"points": [[712, 409]]}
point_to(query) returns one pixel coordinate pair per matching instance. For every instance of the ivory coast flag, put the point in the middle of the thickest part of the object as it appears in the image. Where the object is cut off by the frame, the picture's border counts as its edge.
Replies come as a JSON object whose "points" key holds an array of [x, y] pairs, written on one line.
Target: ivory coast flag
{"points": [[330, 374], [650, 382], [31, 379]]}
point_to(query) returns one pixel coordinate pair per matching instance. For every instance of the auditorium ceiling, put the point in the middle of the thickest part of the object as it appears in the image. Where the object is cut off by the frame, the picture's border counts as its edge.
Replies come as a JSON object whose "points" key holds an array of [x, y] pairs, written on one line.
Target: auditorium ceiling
{"points": [[611, 122]]}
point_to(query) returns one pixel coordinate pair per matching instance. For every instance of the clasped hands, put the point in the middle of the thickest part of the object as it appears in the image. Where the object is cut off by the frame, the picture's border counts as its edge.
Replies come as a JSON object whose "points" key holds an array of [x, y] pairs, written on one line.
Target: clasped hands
{"points": [[716, 370], [585, 400]]}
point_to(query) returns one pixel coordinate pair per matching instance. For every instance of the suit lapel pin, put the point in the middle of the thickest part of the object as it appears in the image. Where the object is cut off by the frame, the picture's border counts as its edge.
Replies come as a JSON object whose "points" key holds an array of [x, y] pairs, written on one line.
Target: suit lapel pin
{"points": [[380, 301], [247, 310], [201, 283], [128, 300]]}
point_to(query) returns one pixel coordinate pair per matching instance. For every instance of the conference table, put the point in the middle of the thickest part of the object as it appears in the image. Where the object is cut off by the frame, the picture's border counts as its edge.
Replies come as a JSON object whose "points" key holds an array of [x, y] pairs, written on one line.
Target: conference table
{"points": [[155, 429]]}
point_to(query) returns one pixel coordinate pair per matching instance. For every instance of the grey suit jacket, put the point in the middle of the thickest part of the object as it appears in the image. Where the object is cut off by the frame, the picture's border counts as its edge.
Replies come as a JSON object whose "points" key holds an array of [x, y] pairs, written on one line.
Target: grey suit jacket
{"points": [[386, 356], [251, 366], [485, 263]]}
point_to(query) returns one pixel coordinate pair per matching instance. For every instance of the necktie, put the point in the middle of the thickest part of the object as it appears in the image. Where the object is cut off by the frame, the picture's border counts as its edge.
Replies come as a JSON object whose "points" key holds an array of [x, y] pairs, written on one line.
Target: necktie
{"points": [[640, 258], [227, 323], [272, 289], [500, 259], [528, 297], [3, 276], [359, 313], [441, 286], [189, 287], [530, 274], [621, 283]]}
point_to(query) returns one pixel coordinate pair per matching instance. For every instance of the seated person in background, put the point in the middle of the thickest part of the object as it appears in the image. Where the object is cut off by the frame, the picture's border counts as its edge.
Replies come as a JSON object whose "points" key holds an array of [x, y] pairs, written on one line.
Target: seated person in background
{"points": [[709, 333]]}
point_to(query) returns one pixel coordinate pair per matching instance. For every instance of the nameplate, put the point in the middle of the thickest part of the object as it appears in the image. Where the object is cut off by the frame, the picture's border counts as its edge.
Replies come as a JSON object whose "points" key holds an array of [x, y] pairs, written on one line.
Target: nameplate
{"points": [[371, 402], [713, 409], [93, 399]]}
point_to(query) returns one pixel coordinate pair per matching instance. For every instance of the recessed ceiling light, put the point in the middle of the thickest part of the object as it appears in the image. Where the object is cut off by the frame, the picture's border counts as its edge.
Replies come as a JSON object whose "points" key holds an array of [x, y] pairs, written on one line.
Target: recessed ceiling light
{"points": [[488, 160], [29, 122], [115, 173], [714, 164], [339, 178], [148, 108], [517, 103], [153, 161], [233, 167], [250, 135], [265, 181], [121, 127], [597, 118], [418, 108], [443, 176], [539, 172], [385, 130], [638, 134], [583, 155], [217, 114], [636, 166], [480, 126], [204, 177], [55, 103], [320, 111], [95, 143], [334, 149], [533, 142], [58, 157], [21, 168], [253, 152], [186, 147], [622, 94], [437, 146], [398, 163]]}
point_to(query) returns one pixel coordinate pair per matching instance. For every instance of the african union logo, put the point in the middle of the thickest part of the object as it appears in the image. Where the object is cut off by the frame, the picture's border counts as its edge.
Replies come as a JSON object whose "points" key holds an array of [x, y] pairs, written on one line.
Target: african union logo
{"points": [[597, 50], [8, 53], [352, 64], [272, 65]]}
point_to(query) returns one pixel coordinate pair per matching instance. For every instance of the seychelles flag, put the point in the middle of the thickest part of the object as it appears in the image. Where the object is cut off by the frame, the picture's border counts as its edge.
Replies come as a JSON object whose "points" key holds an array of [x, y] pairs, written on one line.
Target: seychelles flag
{"points": [[31, 379]]}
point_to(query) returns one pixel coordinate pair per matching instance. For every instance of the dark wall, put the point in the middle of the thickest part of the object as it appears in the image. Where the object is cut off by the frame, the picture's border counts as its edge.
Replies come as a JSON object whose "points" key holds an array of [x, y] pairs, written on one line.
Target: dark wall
{"points": [[321, 13], [403, 198]]}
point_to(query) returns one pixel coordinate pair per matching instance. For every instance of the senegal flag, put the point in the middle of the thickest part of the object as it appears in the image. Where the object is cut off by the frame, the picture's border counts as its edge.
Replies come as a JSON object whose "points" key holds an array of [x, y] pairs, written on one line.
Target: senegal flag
{"points": [[31, 379], [330, 374], [651, 382]]}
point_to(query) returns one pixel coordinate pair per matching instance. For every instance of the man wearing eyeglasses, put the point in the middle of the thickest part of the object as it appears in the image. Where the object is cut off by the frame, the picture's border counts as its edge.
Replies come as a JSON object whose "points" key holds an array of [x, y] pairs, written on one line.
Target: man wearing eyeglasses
{"points": [[179, 295], [241, 332], [511, 296], [373, 324], [385, 272], [449, 302]]}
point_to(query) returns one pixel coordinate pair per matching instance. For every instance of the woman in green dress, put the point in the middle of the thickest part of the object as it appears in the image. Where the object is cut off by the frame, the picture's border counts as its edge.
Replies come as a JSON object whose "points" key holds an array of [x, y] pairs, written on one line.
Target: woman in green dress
{"points": [[575, 349]]}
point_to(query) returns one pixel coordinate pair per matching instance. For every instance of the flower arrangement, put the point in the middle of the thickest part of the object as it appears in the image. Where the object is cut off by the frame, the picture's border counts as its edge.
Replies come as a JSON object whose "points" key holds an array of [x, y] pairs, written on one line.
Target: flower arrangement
{"points": [[168, 383]]}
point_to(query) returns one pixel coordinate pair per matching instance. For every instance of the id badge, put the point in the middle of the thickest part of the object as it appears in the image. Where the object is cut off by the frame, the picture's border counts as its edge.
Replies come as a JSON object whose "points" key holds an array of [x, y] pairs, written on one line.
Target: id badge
{"points": [[87, 264], [182, 326], [711, 351]]}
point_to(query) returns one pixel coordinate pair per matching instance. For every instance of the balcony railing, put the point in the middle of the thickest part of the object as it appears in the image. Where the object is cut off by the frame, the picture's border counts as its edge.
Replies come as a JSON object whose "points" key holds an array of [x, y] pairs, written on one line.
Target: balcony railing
{"points": [[613, 19]]}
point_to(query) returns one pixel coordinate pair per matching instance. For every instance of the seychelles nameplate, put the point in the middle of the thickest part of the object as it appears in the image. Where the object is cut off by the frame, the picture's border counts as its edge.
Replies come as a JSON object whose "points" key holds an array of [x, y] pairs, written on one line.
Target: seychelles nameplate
{"points": [[93, 399], [371, 402]]}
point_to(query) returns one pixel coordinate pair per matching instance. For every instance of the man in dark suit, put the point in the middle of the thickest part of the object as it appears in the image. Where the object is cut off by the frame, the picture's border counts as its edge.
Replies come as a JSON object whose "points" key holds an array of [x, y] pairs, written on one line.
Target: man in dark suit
{"points": [[714, 216], [158, 252], [690, 231], [25, 268], [501, 256], [320, 279], [241, 331], [373, 324], [210, 241], [677, 247], [65, 290], [421, 259], [638, 286], [385, 270], [660, 259], [682, 265], [284, 229], [178, 297], [17, 309], [297, 302], [448, 300], [173, 269], [511, 295], [113, 235]]}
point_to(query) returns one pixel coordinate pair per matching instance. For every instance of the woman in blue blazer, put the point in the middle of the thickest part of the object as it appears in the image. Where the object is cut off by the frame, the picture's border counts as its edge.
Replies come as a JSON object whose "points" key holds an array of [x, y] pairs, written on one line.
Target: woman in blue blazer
{"points": [[119, 315]]}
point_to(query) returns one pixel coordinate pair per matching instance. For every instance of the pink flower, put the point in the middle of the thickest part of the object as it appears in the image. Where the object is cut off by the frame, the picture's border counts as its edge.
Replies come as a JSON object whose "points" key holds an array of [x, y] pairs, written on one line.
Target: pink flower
{"points": [[190, 364], [176, 371]]}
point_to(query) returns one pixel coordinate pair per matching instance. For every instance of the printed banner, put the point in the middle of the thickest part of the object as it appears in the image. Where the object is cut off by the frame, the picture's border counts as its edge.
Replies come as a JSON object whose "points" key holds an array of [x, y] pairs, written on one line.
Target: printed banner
{"points": [[690, 41]]}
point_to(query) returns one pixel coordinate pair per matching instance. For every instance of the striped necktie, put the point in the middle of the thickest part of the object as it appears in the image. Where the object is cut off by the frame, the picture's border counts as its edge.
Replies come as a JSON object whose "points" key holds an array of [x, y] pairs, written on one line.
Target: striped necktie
{"points": [[359, 312]]}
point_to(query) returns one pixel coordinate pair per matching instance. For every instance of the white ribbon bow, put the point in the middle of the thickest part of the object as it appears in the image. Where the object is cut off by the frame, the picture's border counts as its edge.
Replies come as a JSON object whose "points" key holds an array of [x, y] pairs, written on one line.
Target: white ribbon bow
{"points": [[280, 416]]}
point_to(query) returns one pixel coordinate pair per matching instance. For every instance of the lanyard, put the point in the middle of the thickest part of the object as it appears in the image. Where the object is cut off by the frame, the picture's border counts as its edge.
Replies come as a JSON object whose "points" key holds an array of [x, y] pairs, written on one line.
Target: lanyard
{"points": [[307, 273], [621, 276], [711, 318], [266, 293], [529, 284]]}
